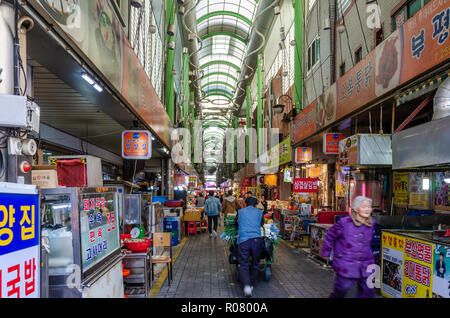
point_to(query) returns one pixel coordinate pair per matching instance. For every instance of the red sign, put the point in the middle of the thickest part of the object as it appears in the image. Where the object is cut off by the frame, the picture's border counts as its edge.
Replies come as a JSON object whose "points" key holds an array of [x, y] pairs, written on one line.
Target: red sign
{"points": [[245, 182], [306, 185], [331, 143], [136, 144]]}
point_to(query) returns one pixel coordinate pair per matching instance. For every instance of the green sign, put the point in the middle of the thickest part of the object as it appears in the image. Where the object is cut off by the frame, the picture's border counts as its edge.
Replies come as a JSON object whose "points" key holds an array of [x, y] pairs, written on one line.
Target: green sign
{"points": [[284, 153]]}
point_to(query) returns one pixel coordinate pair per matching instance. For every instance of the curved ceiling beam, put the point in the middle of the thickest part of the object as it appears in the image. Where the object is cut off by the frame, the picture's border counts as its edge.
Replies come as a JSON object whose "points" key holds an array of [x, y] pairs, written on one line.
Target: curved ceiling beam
{"points": [[237, 68], [217, 94], [230, 45], [230, 34], [224, 91], [220, 73], [228, 13]]}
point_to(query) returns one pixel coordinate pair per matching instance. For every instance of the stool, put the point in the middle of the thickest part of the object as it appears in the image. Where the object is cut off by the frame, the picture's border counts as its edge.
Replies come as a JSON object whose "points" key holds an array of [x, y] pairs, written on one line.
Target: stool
{"points": [[204, 226], [192, 228]]}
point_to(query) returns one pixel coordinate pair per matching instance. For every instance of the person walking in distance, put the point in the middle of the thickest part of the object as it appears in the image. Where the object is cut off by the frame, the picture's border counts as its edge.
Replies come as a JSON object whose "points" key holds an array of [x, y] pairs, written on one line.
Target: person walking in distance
{"points": [[230, 204], [351, 239], [212, 209], [249, 222]]}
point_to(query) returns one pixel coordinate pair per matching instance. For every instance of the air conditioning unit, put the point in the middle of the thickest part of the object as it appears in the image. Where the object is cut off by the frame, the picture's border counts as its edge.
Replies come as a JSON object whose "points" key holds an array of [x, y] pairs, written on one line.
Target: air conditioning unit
{"points": [[26, 114]]}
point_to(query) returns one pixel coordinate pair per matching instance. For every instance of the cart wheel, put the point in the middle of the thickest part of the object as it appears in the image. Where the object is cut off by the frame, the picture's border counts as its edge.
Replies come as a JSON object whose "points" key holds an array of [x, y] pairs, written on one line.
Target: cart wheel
{"points": [[267, 273]]}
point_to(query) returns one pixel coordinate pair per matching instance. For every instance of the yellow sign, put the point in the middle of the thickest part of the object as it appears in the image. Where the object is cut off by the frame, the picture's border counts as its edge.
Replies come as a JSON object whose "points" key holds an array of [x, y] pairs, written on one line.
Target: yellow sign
{"points": [[418, 199], [401, 188], [407, 267]]}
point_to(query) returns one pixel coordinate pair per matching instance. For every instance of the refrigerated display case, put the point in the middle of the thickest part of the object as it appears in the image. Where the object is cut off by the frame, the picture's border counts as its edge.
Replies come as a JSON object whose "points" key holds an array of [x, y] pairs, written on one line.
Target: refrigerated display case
{"points": [[83, 233]]}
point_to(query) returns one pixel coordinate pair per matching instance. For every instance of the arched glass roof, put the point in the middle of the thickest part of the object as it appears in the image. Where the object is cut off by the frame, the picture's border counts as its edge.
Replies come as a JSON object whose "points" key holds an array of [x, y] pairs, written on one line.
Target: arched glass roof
{"points": [[224, 27]]}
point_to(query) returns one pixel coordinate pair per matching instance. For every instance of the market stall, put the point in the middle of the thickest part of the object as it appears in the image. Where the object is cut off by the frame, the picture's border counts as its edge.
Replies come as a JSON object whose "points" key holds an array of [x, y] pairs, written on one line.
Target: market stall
{"points": [[82, 228]]}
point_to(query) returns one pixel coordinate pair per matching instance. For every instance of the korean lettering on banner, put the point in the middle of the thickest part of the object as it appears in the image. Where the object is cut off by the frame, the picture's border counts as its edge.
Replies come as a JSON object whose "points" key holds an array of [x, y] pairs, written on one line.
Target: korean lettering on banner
{"points": [[19, 246], [416, 257], [100, 236], [304, 124], [306, 185], [426, 40]]}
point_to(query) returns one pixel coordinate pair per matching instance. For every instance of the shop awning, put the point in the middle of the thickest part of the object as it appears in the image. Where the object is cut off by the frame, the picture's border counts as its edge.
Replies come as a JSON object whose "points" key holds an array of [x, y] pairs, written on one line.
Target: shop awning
{"points": [[420, 89]]}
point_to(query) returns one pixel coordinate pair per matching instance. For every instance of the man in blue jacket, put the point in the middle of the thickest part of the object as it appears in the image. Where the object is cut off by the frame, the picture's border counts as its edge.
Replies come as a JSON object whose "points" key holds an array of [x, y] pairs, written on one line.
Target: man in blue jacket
{"points": [[249, 241], [212, 208]]}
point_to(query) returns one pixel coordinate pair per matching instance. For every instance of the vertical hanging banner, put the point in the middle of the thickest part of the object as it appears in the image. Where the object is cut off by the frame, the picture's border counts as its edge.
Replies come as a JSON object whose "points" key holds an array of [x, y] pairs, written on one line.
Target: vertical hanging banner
{"points": [[19, 246], [401, 188], [192, 181], [136, 144]]}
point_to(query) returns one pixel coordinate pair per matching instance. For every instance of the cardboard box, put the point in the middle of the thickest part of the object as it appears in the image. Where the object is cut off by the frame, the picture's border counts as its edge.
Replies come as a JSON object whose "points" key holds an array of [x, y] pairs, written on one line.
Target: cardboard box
{"points": [[45, 177], [192, 216]]}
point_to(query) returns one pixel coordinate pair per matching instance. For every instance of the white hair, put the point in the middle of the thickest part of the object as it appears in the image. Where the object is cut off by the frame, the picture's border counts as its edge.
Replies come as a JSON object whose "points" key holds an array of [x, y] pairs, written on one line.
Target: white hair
{"points": [[358, 200]]}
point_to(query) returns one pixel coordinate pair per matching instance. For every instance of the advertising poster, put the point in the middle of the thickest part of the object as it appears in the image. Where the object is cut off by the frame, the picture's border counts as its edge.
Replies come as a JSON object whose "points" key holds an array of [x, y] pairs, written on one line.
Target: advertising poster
{"points": [[348, 151], [441, 271], [441, 195], [19, 246], [401, 188], [416, 257], [192, 181], [289, 175], [418, 196]]}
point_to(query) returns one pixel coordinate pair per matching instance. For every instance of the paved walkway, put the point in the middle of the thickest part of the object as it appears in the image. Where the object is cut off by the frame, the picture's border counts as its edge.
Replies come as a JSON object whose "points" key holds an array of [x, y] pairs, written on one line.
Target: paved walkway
{"points": [[202, 270]]}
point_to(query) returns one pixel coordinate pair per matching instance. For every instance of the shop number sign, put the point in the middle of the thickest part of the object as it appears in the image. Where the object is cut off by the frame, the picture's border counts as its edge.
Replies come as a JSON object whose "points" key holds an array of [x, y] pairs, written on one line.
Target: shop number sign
{"points": [[136, 145], [19, 246], [306, 185]]}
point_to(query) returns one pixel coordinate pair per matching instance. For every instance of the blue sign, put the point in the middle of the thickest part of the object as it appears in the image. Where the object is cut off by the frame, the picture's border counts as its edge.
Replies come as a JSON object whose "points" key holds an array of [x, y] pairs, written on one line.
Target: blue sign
{"points": [[19, 222]]}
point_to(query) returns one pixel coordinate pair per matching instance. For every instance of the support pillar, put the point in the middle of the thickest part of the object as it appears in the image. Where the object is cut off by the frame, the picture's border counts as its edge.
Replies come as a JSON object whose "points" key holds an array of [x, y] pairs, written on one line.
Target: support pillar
{"points": [[298, 56], [248, 100], [259, 121], [170, 90]]}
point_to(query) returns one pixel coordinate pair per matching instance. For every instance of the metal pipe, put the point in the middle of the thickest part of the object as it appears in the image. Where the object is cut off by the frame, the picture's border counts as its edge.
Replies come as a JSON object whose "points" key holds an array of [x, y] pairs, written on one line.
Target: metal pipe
{"points": [[442, 100], [413, 114], [332, 13], [16, 49], [6, 49]]}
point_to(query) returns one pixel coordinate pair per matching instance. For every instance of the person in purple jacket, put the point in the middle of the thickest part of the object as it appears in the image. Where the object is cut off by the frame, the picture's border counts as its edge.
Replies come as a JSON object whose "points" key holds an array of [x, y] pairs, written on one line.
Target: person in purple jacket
{"points": [[350, 239]]}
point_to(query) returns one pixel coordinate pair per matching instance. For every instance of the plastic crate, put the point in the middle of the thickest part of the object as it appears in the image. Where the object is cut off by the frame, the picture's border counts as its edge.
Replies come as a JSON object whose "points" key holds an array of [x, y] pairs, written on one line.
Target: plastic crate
{"points": [[174, 241], [161, 199]]}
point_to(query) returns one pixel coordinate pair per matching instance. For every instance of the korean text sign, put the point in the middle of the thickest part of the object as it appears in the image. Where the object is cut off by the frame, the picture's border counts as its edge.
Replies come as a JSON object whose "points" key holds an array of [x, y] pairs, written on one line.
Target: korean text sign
{"points": [[331, 143], [401, 187], [19, 246], [303, 154], [136, 145], [407, 267], [306, 185], [99, 227]]}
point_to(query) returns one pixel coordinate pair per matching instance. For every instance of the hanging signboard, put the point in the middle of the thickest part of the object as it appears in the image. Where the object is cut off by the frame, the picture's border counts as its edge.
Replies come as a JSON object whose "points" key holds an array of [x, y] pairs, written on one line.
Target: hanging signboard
{"points": [[260, 180], [19, 246], [136, 144], [306, 185], [331, 143], [245, 182], [288, 175], [401, 188], [303, 155], [193, 181]]}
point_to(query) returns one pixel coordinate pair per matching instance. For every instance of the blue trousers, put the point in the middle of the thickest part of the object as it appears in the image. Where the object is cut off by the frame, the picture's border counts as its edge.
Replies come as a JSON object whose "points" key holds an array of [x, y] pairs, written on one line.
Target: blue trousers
{"points": [[248, 273], [343, 284]]}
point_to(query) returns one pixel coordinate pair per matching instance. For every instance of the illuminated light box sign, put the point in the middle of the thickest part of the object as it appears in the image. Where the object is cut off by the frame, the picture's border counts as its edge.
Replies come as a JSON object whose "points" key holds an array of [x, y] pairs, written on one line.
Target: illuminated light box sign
{"points": [[331, 143], [136, 144], [303, 155]]}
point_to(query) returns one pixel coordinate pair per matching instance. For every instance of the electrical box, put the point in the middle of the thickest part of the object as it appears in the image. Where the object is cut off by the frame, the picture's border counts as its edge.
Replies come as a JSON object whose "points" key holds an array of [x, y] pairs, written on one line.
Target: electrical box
{"points": [[366, 150], [19, 112]]}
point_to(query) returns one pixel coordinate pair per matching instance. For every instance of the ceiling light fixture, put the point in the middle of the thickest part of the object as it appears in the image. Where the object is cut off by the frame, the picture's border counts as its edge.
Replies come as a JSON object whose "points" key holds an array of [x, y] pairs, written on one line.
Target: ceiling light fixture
{"points": [[91, 81]]}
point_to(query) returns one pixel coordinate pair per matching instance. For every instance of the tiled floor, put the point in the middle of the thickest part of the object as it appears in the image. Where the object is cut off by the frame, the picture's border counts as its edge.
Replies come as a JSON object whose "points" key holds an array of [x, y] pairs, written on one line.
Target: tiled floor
{"points": [[202, 271]]}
